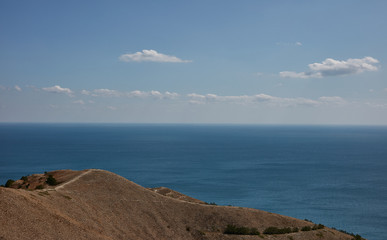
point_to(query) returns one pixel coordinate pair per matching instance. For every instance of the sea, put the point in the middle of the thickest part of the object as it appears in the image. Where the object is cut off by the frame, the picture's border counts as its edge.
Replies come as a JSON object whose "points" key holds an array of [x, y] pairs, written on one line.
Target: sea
{"points": [[333, 175]]}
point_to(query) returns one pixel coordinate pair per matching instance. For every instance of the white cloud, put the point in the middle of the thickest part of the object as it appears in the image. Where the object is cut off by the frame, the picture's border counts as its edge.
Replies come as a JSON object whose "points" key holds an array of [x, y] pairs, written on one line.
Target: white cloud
{"points": [[264, 99], [111, 108], [103, 92], [150, 56], [137, 93], [85, 92], [106, 92], [17, 88], [171, 95], [332, 100], [332, 67], [58, 89], [298, 44], [194, 98]]}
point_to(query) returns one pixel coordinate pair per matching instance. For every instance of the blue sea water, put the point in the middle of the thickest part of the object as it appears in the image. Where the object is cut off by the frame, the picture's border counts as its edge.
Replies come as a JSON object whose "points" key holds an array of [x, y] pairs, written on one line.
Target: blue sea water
{"points": [[334, 175]]}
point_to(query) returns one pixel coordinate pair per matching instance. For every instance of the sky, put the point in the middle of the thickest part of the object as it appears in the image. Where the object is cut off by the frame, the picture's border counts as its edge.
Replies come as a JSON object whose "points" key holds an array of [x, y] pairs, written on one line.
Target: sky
{"points": [[242, 62]]}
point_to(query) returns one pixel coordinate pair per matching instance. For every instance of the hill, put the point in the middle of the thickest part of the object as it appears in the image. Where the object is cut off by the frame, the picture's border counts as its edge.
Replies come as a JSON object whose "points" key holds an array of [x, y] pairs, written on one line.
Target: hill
{"points": [[97, 204]]}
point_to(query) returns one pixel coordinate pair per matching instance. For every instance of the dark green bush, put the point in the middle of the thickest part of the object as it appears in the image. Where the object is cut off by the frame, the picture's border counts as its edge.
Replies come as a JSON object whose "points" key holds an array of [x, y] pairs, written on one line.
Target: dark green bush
{"points": [[40, 186], [51, 180], [319, 226], [232, 229], [357, 237], [306, 228], [24, 178], [9, 183], [275, 230], [254, 231], [295, 229]]}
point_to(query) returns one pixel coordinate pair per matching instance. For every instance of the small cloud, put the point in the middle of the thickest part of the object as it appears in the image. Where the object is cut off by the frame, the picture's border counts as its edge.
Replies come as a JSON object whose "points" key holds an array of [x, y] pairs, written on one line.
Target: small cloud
{"points": [[90, 101], [370, 90], [332, 100], [3, 88], [112, 108], [58, 89], [85, 92], [17, 88], [171, 95], [150, 56], [106, 92], [332, 67], [81, 102], [289, 44]]}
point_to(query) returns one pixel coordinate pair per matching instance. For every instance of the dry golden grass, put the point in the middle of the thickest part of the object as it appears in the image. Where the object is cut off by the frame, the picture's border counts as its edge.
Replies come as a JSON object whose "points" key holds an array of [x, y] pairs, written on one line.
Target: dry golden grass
{"points": [[96, 204]]}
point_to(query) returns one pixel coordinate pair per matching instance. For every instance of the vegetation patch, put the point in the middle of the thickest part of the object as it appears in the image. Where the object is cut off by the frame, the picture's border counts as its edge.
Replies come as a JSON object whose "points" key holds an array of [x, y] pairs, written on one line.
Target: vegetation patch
{"points": [[24, 178], [306, 229], [232, 229], [275, 230], [355, 237], [51, 180], [9, 182], [318, 226]]}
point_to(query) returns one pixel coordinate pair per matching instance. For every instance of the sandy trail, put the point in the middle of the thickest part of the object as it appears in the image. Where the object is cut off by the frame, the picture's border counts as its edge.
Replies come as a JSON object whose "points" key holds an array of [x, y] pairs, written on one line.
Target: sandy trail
{"points": [[73, 180]]}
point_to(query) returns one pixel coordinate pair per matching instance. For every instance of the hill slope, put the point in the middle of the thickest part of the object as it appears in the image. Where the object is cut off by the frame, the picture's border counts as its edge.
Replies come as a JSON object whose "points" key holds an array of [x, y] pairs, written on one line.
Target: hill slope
{"points": [[96, 204]]}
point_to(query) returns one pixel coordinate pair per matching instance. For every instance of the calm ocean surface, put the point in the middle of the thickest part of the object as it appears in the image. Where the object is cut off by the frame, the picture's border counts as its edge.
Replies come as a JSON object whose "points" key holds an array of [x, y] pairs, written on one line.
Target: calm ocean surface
{"points": [[332, 175]]}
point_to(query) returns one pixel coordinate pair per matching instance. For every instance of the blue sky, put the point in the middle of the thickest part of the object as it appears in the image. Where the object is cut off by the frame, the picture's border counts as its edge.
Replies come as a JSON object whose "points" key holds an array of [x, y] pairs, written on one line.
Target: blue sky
{"points": [[279, 62]]}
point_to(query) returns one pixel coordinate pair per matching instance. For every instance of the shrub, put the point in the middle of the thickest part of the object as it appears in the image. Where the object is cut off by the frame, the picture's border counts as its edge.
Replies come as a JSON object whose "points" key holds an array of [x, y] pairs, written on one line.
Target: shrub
{"points": [[40, 186], [357, 237], [295, 229], [9, 183], [319, 226], [232, 229], [51, 180], [306, 228], [275, 230], [24, 178], [254, 231]]}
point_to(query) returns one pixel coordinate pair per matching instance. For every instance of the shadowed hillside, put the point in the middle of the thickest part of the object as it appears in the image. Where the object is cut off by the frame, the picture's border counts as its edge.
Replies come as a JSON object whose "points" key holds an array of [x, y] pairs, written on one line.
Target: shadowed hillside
{"points": [[96, 204]]}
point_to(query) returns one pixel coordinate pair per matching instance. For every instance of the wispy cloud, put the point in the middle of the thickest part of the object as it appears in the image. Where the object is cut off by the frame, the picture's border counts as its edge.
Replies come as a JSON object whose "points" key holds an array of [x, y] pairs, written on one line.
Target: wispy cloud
{"points": [[298, 44], [264, 99], [150, 56], [103, 92], [17, 88], [58, 89], [332, 67]]}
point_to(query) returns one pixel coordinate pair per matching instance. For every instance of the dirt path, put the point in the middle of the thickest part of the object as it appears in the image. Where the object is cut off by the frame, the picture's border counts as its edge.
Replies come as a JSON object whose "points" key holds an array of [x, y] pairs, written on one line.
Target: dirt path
{"points": [[74, 179]]}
